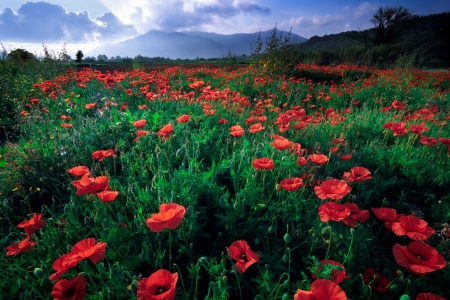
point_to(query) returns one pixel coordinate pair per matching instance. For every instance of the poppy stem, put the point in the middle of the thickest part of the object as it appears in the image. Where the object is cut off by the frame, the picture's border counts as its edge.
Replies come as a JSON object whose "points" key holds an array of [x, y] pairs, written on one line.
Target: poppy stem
{"points": [[170, 250], [329, 243], [238, 284], [181, 277]]}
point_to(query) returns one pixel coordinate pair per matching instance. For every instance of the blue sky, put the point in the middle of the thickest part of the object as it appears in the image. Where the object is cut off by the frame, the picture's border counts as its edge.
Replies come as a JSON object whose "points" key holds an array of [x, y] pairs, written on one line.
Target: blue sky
{"points": [[90, 23]]}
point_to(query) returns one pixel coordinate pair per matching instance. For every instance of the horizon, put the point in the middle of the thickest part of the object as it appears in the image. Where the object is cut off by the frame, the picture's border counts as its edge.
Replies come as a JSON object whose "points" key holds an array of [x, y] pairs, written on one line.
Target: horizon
{"points": [[86, 25]]}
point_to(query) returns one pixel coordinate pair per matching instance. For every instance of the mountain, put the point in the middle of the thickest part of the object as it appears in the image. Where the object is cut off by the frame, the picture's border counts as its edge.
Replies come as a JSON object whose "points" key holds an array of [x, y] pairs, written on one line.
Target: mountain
{"points": [[156, 43]]}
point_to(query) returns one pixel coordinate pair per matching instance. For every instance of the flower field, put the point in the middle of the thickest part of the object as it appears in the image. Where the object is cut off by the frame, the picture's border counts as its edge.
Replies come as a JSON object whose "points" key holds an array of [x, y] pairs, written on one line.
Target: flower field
{"points": [[208, 183]]}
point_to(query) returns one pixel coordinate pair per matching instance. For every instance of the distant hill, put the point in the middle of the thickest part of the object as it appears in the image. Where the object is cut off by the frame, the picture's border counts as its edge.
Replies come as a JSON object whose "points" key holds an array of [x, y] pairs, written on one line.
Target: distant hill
{"points": [[156, 43]]}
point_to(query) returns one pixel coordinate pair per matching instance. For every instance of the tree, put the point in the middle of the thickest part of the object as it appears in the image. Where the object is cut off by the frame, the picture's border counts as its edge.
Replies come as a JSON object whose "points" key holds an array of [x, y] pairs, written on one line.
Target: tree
{"points": [[389, 21], [102, 57], [79, 56], [21, 54]]}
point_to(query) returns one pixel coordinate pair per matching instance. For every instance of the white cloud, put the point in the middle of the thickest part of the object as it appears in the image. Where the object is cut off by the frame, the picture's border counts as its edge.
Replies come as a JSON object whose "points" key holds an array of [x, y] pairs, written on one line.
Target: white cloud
{"points": [[364, 9], [315, 21]]}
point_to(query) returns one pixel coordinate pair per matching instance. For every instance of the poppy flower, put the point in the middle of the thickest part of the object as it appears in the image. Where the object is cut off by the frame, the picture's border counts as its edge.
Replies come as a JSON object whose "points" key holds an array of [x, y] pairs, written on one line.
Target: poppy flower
{"points": [[334, 149], [385, 214], [84, 249], [261, 119], [318, 159], [346, 157], [291, 184], [20, 247], [244, 256], [337, 140], [142, 133], [90, 105], [413, 227], [417, 129], [165, 131], [140, 123], [107, 196], [356, 215], [387, 125], [78, 171], [183, 119], [89, 185], [223, 121], [377, 282], [301, 161], [445, 141], [263, 163], [333, 189], [74, 289], [281, 144], [33, 224], [66, 125], [428, 296], [159, 285], [357, 174], [102, 154], [170, 216], [428, 141], [337, 274], [250, 120], [236, 130], [256, 128], [419, 258], [399, 128], [333, 211], [322, 289]]}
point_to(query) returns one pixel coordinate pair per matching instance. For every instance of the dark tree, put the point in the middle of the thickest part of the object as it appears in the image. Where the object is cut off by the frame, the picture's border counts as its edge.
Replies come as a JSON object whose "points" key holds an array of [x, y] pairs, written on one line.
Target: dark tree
{"points": [[389, 21], [21, 54], [79, 56]]}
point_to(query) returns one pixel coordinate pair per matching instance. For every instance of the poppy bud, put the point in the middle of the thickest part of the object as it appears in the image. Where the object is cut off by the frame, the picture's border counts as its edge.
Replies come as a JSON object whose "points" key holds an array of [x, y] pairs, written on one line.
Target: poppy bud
{"points": [[203, 259], [271, 229], [277, 187], [257, 241], [392, 286], [404, 297], [66, 209], [133, 285], [38, 272], [285, 297], [326, 230], [285, 258], [287, 238]]}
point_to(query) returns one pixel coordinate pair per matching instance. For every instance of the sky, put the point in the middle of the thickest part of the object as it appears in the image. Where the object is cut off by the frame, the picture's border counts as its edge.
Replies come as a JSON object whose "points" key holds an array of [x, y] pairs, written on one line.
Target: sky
{"points": [[86, 24]]}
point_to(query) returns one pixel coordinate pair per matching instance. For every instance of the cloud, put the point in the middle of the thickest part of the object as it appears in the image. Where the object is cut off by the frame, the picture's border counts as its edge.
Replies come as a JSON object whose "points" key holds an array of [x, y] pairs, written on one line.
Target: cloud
{"points": [[364, 8], [178, 15], [43, 22], [315, 21]]}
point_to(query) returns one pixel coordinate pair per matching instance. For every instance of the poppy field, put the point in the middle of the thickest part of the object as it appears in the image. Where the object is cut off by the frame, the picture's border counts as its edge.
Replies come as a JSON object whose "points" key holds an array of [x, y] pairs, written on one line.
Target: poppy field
{"points": [[215, 183]]}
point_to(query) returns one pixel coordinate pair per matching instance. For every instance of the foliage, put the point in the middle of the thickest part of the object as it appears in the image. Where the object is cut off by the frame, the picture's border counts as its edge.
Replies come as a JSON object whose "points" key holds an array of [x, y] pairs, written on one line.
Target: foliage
{"points": [[389, 21], [79, 56]]}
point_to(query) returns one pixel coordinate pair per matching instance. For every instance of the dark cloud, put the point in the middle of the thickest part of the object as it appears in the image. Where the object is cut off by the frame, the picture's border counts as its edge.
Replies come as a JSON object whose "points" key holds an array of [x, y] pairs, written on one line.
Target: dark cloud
{"points": [[42, 22]]}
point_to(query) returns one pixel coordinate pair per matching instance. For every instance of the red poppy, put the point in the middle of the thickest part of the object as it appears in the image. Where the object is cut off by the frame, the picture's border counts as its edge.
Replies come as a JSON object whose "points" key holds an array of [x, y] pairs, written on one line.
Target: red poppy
{"points": [[33, 224], [334, 149], [89, 185], [160, 285], [102, 154], [387, 125], [429, 296], [385, 214], [337, 274], [66, 125], [333, 189], [140, 123], [301, 161], [417, 129], [356, 215], [250, 120], [256, 128], [223, 121], [141, 107], [346, 157], [419, 258], [244, 256], [107, 196], [166, 131], [333, 211], [86, 248], [74, 289], [377, 282], [236, 130], [183, 119], [291, 184], [357, 174], [170, 216], [445, 141], [318, 159], [413, 227], [263, 163], [428, 141], [21, 247], [78, 171], [90, 105], [337, 140], [142, 133], [322, 289], [281, 144], [399, 128]]}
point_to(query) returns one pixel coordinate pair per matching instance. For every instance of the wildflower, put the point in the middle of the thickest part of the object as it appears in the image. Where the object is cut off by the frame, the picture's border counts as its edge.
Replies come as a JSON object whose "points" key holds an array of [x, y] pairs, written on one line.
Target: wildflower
{"points": [[413, 227], [102, 154], [33, 224], [223, 121], [236, 130], [78, 171], [281, 144], [74, 289], [357, 174], [376, 281], [301, 161], [66, 125], [318, 159], [165, 131], [90, 105], [385, 214], [428, 296], [399, 129], [337, 273], [346, 157], [291, 184], [89, 185], [322, 289], [170, 216], [159, 285], [333, 189], [256, 128], [244, 256], [333, 211], [107, 196], [183, 119], [263, 163], [20, 247], [418, 129], [419, 258], [428, 141], [140, 123]]}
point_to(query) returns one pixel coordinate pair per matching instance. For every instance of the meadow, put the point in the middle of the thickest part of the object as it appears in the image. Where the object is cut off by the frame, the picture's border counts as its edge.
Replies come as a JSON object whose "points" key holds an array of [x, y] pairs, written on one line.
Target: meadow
{"points": [[228, 183]]}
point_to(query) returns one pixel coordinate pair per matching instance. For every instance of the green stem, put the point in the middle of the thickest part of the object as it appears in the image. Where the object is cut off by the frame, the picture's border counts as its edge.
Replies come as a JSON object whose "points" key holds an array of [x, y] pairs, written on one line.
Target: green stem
{"points": [[329, 243]]}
